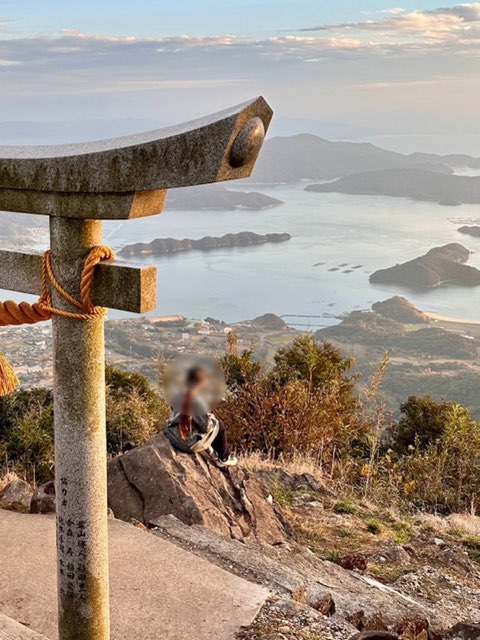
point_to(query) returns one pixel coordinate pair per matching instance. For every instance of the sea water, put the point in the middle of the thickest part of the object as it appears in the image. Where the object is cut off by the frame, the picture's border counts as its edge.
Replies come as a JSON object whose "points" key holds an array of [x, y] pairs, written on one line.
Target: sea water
{"points": [[337, 242]]}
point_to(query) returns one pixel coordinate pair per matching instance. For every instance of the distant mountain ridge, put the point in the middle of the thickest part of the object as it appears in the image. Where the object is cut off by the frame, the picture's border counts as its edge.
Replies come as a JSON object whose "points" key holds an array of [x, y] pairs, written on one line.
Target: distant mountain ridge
{"points": [[309, 157]]}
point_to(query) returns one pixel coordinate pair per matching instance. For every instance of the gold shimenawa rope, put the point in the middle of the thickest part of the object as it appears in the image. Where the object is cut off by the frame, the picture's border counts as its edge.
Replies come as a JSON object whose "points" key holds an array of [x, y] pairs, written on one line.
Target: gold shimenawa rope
{"points": [[12, 313]]}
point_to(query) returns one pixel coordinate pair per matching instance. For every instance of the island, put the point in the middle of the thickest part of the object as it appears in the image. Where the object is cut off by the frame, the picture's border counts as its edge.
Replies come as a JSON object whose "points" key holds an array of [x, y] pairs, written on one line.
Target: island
{"points": [[170, 246], [439, 266], [414, 183], [214, 197], [470, 231]]}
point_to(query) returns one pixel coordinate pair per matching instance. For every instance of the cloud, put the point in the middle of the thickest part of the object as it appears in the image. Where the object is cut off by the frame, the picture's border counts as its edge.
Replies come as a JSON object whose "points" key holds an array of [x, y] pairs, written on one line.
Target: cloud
{"points": [[468, 12], [460, 23], [344, 70], [164, 60], [393, 11]]}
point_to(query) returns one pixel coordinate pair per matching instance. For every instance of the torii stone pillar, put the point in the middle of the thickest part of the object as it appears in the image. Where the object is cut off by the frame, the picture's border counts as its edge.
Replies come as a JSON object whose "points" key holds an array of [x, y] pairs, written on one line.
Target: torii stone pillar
{"points": [[77, 186]]}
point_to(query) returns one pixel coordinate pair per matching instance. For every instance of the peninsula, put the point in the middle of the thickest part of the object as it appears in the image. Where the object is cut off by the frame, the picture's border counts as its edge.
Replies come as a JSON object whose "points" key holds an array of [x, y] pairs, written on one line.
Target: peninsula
{"points": [[170, 246], [415, 183], [215, 197], [439, 266]]}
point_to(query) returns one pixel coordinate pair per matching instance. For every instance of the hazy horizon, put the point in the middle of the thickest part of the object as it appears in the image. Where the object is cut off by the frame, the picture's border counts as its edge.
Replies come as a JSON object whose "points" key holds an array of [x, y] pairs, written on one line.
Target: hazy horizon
{"points": [[379, 72]]}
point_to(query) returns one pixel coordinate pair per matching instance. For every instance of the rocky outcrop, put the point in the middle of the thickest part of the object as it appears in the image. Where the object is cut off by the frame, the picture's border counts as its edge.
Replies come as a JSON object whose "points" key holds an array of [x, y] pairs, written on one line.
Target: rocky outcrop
{"points": [[439, 266], [169, 246], [154, 480], [16, 496], [465, 631], [43, 499], [300, 575]]}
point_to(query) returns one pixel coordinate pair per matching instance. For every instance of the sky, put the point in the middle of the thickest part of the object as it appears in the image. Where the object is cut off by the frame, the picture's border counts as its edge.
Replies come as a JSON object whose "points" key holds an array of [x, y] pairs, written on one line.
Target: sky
{"points": [[370, 66]]}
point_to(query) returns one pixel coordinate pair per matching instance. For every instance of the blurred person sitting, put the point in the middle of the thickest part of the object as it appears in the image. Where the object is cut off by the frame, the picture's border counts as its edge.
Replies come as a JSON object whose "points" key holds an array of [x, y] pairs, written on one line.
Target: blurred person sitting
{"points": [[193, 427]]}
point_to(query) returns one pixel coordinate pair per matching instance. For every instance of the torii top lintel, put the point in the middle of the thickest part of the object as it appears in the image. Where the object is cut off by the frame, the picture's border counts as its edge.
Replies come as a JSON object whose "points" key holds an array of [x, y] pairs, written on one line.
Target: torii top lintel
{"points": [[128, 177]]}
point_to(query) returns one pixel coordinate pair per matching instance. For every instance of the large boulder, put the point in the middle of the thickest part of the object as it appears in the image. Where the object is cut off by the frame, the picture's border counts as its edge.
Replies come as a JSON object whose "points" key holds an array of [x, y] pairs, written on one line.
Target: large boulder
{"points": [[155, 480], [16, 496], [43, 499]]}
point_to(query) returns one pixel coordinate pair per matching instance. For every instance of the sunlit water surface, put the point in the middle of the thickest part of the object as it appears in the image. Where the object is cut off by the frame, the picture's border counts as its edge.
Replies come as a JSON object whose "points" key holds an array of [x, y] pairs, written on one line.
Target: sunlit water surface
{"points": [[347, 237]]}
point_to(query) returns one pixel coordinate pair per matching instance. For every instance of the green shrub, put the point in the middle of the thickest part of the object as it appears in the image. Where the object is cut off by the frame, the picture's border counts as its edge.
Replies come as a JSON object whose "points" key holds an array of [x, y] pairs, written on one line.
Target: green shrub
{"points": [[26, 434], [344, 507], [240, 370], [333, 556], [403, 532], [445, 475], [318, 363], [135, 412], [304, 405], [373, 526], [422, 423]]}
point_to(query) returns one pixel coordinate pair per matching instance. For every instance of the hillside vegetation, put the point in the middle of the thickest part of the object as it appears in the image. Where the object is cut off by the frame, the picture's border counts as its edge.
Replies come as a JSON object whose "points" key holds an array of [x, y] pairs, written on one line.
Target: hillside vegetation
{"points": [[306, 406], [344, 483]]}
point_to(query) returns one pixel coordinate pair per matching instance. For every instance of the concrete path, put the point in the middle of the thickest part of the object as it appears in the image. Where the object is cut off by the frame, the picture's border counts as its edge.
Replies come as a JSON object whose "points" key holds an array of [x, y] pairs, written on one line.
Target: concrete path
{"points": [[158, 590]]}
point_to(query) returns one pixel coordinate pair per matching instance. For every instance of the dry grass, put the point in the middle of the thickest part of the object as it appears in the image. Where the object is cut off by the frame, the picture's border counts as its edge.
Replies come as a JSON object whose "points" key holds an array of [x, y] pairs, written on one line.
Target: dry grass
{"points": [[6, 478], [456, 524], [297, 463], [337, 524]]}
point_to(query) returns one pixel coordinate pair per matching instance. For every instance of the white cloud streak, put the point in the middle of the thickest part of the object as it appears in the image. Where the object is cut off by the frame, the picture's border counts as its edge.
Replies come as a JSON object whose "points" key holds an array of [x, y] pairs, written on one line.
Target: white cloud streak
{"points": [[460, 23], [327, 71]]}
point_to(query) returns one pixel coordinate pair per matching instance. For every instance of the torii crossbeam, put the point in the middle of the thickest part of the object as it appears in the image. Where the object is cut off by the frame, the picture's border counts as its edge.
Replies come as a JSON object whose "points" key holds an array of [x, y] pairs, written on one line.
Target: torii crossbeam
{"points": [[77, 186]]}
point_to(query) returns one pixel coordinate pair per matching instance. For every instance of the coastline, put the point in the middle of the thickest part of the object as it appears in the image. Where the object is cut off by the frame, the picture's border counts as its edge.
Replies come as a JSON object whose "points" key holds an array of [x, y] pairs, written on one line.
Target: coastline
{"points": [[442, 318]]}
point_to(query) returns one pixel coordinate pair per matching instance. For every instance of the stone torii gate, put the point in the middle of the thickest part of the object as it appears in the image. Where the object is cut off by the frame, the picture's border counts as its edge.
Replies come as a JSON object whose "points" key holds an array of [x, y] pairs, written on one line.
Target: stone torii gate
{"points": [[77, 186]]}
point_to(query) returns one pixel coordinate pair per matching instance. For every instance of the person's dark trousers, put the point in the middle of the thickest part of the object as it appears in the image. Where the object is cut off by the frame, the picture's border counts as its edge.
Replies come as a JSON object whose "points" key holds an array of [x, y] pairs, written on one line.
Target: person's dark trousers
{"points": [[220, 443]]}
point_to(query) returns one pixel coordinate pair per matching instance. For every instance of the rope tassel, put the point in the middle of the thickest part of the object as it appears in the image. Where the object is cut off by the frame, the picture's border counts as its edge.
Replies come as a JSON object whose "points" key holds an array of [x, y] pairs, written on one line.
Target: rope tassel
{"points": [[8, 377], [12, 313]]}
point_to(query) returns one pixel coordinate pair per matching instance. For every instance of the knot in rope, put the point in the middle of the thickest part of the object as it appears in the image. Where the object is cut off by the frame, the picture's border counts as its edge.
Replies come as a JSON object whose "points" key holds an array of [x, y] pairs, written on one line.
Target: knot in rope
{"points": [[85, 305], [12, 313]]}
